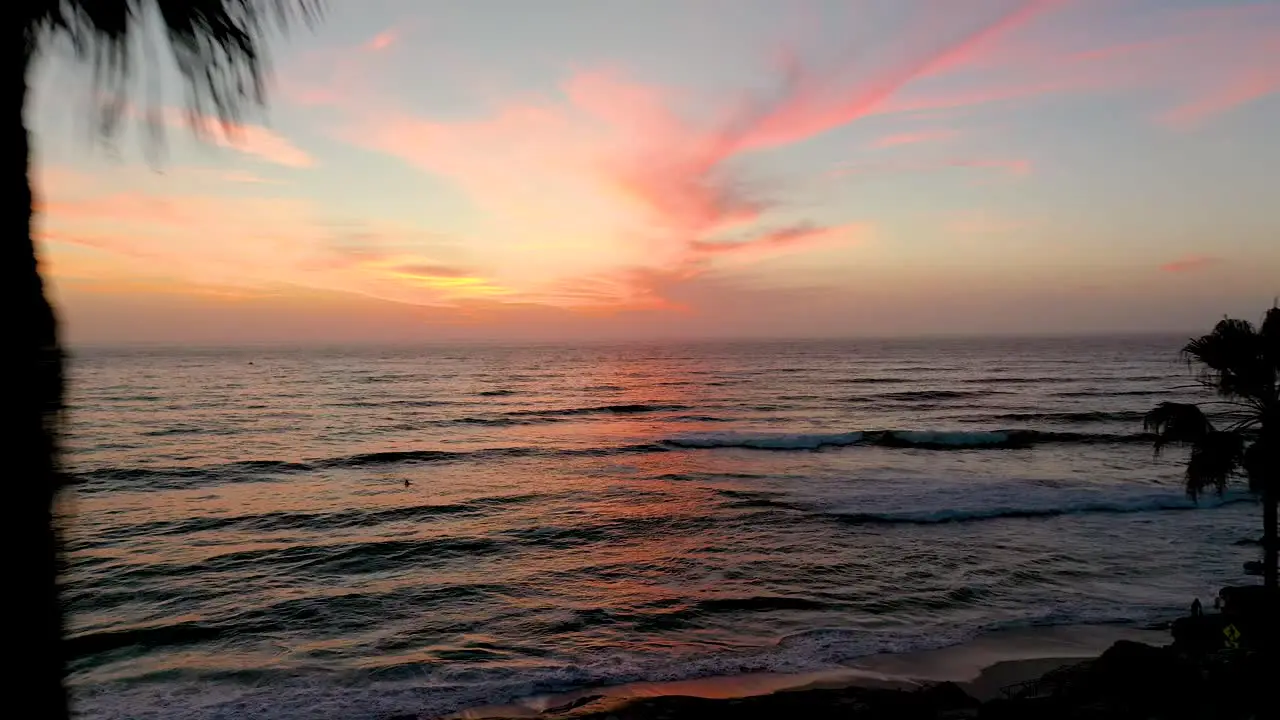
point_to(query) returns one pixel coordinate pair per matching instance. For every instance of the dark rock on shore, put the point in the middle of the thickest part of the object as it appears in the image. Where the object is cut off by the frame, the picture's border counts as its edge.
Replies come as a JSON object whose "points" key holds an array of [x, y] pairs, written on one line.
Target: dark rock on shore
{"points": [[1129, 681], [941, 701]]}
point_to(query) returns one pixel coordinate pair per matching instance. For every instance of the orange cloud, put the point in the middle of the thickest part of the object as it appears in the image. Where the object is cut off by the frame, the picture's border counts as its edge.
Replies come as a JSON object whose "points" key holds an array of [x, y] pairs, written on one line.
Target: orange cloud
{"points": [[432, 271], [206, 240], [1190, 263]]}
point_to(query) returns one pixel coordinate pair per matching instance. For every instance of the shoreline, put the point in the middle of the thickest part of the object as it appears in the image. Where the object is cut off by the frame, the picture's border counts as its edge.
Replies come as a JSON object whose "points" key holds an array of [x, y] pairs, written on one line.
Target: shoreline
{"points": [[980, 666]]}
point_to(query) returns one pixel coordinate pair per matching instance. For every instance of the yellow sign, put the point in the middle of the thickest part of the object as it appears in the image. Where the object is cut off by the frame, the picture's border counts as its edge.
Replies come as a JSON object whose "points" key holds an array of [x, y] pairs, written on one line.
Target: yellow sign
{"points": [[1233, 636]]}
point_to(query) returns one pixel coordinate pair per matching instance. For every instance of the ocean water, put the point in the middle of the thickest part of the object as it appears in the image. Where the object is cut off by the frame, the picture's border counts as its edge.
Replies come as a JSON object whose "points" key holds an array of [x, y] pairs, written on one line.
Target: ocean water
{"points": [[363, 533]]}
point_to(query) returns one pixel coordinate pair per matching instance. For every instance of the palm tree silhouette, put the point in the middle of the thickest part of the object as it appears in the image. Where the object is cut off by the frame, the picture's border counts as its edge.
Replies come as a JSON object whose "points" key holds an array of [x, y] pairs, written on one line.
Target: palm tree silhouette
{"points": [[1241, 364], [218, 46]]}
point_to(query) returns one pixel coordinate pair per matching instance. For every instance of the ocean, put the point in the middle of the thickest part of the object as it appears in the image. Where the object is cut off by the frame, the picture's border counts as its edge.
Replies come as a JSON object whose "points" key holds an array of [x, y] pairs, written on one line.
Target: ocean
{"points": [[371, 532]]}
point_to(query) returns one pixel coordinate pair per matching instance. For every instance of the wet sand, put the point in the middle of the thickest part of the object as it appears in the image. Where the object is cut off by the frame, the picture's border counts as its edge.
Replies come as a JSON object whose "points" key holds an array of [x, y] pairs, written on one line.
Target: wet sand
{"points": [[981, 666]]}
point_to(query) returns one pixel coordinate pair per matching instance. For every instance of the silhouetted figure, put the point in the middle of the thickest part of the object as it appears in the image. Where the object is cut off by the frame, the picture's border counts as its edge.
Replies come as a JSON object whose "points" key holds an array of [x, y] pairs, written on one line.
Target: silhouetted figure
{"points": [[1196, 608], [407, 483]]}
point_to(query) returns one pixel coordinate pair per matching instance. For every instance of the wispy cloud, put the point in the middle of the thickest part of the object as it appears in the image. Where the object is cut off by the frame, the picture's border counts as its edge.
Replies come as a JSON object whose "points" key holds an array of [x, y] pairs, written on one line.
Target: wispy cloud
{"points": [[913, 138], [1194, 63], [247, 178], [984, 222], [814, 100], [383, 40], [249, 242], [432, 271], [797, 237], [1250, 84], [1014, 167], [1190, 263], [256, 140]]}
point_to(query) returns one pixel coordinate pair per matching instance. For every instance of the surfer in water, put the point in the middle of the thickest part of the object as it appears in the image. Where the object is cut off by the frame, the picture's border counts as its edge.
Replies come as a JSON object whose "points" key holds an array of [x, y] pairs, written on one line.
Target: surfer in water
{"points": [[407, 483]]}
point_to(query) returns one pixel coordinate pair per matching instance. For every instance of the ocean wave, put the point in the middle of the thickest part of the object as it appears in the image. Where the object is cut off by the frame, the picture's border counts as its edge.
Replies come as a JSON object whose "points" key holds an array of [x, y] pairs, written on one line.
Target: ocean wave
{"points": [[920, 395], [921, 439], [1070, 417], [245, 470], [169, 478], [164, 478], [1113, 393], [766, 441], [392, 457], [291, 520], [757, 603], [618, 409], [1148, 503], [298, 694]]}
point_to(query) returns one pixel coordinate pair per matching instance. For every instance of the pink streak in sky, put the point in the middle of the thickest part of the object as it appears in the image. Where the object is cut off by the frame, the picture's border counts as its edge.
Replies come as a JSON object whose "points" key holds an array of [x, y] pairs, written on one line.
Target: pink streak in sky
{"points": [[912, 138], [1190, 263]]}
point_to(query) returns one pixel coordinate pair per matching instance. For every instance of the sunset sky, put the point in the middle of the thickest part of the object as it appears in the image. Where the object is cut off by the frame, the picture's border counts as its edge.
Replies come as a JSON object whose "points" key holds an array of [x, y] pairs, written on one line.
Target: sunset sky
{"points": [[566, 169]]}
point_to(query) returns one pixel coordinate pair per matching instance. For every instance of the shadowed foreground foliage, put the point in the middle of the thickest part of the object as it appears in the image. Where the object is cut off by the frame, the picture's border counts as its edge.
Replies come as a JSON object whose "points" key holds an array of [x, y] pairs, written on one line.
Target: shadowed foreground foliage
{"points": [[219, 48]]}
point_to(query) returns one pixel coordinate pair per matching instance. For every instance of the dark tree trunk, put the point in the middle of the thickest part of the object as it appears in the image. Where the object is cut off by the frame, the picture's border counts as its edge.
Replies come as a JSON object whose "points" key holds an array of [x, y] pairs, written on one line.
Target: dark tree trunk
{"points": [[32, 401], [1270, 544]]}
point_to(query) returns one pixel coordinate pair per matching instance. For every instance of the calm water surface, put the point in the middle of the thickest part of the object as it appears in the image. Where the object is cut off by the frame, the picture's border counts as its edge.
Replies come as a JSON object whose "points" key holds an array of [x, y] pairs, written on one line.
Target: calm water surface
{"points": [[244, 545]]}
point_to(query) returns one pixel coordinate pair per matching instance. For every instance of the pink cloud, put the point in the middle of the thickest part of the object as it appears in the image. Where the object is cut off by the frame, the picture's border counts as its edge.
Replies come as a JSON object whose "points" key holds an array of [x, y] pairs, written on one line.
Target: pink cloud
{"points": [[611, 164], [609, 173], [913, 138], [1212, 59], [383, 40], [1252, 83], [813, 101], [1190, 263], [804, 236]]}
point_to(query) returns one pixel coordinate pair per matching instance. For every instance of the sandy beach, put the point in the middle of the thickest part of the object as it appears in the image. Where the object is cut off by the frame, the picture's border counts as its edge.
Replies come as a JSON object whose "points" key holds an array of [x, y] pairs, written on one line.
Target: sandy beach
{"points": [[981, 666]]}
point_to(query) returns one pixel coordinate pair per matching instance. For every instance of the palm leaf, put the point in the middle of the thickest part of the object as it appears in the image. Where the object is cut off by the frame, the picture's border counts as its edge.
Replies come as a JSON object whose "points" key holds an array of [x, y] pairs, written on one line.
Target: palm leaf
{"points": [[1214, 459], [1177, 424], [217, 45], [1233, 360]]}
